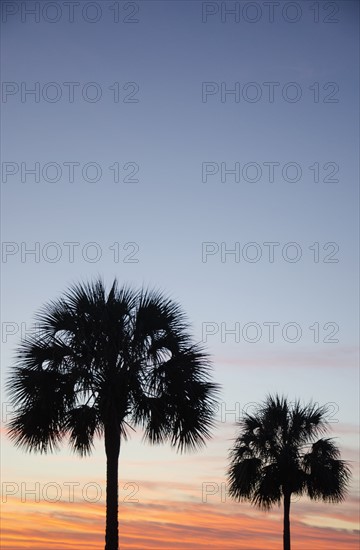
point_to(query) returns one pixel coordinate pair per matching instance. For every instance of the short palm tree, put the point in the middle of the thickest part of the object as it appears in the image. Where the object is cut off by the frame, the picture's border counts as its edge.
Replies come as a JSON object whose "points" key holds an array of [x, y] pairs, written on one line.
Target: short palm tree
{"points": [[277, 454], [102, 363]]}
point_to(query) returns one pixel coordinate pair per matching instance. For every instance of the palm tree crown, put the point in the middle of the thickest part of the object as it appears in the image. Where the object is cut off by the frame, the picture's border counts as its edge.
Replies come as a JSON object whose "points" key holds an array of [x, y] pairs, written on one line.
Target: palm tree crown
{"points": [[277, 454], [106, 362]]}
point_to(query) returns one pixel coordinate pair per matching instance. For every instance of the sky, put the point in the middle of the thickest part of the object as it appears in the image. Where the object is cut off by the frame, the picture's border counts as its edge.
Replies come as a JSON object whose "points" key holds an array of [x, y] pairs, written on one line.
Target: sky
{"points": [[207, 149]]}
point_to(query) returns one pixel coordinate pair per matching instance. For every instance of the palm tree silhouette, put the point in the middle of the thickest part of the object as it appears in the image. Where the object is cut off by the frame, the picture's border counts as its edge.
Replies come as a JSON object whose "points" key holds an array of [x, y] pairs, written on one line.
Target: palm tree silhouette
{"points": [[276, 455], [102, 363]]}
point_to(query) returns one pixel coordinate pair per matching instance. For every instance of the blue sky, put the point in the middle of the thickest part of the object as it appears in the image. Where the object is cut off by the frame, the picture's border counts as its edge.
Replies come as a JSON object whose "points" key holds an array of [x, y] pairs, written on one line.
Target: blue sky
{"points": [[170, 212]]}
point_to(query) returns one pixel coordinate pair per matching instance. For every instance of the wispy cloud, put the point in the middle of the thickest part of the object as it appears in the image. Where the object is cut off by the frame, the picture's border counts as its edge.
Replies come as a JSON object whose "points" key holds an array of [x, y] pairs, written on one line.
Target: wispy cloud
{"points": [[342, 356], [173, 525]]}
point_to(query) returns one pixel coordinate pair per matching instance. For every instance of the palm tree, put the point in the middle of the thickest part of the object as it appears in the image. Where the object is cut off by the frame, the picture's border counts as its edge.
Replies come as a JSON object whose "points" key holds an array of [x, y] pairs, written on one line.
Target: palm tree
{"points": [[103, 363], [276, 455]]}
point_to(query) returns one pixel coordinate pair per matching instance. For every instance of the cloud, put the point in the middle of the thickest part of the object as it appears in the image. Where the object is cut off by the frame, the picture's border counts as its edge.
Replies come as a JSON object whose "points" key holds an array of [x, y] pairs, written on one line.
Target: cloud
{"points": [[338, 357], [173, 525]]}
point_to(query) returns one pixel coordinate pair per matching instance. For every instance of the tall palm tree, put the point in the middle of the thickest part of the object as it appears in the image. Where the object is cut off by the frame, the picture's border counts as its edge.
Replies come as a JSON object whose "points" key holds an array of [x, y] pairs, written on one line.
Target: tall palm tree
{"points": [[277, 455], [102, 363]]}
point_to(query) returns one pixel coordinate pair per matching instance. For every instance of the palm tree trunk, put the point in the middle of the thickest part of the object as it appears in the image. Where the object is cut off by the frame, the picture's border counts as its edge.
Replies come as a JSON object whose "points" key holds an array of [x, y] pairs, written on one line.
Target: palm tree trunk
{"points": [[112, 449], [287, 498]]}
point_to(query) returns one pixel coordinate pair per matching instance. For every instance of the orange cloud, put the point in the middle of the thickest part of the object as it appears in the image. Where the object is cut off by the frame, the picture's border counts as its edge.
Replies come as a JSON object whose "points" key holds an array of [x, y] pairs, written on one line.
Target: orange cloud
{"points": [[176, 525]]}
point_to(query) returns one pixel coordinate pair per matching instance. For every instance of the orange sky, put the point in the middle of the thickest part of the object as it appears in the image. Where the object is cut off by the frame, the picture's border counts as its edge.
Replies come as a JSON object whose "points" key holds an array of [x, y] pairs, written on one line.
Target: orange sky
{"points": [[172, 507], [174, 525]]}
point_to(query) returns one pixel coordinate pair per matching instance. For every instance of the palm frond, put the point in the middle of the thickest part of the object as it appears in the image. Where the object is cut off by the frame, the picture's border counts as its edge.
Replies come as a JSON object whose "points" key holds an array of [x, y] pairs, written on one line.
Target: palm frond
{"points": [[82, 423], [116, 357], [273, 439], [327, 474]]}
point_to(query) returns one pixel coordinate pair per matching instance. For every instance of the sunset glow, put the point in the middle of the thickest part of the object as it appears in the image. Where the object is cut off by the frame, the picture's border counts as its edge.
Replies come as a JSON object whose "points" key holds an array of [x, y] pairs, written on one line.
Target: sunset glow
{"points": [[172, 525]]}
